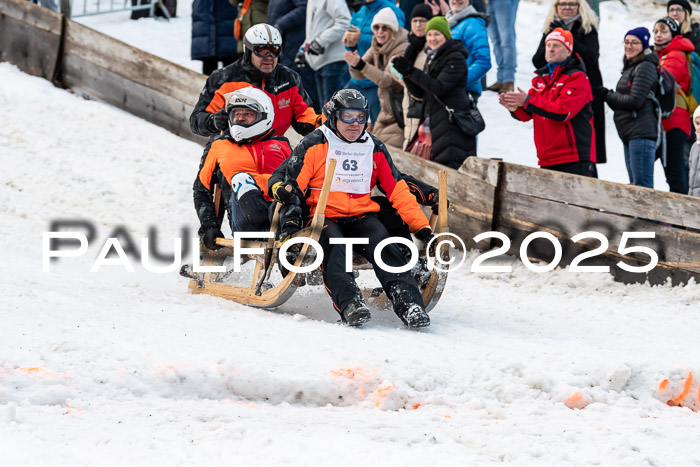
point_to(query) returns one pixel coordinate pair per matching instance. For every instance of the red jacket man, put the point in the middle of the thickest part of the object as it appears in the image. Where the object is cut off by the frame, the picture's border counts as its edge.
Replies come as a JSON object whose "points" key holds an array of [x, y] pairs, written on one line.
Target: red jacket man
{"points": [[560, 105]]}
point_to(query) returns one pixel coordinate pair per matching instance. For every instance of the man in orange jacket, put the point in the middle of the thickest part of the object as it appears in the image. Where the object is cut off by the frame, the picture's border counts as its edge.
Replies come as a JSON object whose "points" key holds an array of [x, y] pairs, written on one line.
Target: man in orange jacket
{"points": [[240, 163], [363, 163]]}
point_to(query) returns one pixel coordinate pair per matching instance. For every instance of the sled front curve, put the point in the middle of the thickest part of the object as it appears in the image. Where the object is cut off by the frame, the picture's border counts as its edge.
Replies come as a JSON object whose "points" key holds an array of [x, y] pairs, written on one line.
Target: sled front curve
{"points": [[280, 293]]}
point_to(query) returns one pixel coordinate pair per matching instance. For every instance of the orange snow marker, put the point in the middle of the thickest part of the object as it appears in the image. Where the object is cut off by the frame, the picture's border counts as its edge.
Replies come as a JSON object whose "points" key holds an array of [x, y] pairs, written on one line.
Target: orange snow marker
{"points": [[663, 385], [686, 389], [576, 401], [415, 406]]}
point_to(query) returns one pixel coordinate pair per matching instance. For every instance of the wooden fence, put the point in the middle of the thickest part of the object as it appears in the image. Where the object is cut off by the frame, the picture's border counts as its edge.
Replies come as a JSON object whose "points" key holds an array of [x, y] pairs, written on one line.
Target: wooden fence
{"points": [[486, 195]]}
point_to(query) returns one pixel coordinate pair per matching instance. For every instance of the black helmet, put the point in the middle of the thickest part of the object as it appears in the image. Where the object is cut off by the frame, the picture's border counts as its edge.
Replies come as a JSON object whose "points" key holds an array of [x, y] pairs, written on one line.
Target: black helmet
{"points": [[345, 99]]}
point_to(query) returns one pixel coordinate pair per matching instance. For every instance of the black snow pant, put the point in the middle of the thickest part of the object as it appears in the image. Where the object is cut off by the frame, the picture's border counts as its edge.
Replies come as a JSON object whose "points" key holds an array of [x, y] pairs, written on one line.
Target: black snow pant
{"points": [[585, 168], [676, 175], [401, 288]]}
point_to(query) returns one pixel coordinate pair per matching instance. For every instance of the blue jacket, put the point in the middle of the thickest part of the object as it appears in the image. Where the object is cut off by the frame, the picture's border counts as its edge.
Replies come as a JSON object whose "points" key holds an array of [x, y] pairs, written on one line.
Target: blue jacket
{"points": [[362, 19], [289, 16], [212, 29], [472, 32]]}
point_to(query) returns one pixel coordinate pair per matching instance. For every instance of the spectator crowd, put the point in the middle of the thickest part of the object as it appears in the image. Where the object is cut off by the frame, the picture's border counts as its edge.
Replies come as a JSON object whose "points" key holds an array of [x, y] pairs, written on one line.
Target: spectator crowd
{"points": [[421, 66]]}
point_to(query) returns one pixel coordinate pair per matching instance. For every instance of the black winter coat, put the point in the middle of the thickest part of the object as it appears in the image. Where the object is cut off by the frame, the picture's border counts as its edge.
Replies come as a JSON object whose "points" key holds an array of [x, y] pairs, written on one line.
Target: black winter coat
{"points": [[588, 48], [444, 76], [289, 16], [635, 115], [212, 29], [694, 36]]}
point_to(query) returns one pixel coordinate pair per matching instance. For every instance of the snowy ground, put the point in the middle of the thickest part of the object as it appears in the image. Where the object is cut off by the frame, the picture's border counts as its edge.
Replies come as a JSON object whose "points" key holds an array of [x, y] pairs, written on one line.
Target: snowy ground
{"points": [[117, 368]]}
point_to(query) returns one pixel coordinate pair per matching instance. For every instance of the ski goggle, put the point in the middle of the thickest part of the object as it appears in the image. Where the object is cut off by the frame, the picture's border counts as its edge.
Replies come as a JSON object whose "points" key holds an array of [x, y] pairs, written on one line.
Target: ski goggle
{"points": [[360, 116], [263, 51]]}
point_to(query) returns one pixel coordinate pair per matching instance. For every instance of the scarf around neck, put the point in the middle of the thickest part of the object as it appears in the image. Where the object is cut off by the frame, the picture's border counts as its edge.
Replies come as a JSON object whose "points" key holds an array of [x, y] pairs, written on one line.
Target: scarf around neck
{"points": [[453, 18]]}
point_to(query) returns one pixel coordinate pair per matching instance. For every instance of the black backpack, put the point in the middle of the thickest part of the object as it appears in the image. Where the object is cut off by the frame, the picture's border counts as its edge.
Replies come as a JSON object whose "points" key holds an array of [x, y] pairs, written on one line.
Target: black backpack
{"points": [[665, 93]]}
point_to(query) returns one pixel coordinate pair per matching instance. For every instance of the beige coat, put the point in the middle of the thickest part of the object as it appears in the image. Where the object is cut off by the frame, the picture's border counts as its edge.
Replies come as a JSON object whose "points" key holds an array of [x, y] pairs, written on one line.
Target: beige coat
{"points": [[412, 124], [377, 70]]}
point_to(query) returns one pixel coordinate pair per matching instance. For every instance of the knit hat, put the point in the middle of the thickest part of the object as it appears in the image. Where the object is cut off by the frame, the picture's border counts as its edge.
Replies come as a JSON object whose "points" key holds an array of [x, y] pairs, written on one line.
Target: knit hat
{"points": [[696, 114], [422, 11], [439, 23], [672, 25], [565, 37], [640, 33], [684, 3], [388, 17]]}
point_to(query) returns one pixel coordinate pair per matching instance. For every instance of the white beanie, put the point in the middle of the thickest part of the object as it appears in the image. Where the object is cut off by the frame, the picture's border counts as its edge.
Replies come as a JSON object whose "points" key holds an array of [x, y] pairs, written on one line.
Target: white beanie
{"points": [[388, 17], [696, 114]]}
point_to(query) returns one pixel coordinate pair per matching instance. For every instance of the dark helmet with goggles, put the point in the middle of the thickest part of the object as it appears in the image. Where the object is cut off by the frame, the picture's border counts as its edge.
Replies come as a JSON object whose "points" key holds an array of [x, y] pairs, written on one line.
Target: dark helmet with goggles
{"points": [[348, 106]]}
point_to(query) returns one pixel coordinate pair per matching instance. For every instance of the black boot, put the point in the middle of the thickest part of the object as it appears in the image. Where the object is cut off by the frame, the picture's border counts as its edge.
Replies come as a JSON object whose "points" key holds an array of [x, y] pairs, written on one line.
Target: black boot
{"points": [[355, 313], [416, 317], [404, 299]]}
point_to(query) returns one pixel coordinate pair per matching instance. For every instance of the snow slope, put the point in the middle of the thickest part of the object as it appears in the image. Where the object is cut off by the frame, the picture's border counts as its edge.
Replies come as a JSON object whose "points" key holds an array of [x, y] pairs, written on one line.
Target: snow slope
{"points": [[115, 367]]}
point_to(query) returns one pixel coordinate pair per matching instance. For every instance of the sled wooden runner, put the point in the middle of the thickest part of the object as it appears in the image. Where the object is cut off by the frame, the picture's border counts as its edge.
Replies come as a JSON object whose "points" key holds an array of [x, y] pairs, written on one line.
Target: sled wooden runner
{"points": [[280, 293]]}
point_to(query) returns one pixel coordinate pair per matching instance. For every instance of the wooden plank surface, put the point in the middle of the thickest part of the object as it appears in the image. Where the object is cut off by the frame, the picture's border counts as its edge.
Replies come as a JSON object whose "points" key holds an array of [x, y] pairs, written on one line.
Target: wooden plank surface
{"points": [[32, 15], [30, 37], [147, 103], [137, 66], [599, 194], [676, 248]]}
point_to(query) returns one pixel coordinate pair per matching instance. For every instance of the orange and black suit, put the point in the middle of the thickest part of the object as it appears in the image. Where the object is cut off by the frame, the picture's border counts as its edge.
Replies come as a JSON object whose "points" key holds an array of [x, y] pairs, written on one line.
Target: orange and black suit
{"points": [[224, 158], [355, 215], [292, 104]]}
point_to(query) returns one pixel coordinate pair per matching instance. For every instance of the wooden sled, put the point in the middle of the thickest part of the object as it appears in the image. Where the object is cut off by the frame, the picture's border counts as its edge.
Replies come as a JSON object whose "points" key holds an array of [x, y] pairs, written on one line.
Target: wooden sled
{"points": [[256, 295]]}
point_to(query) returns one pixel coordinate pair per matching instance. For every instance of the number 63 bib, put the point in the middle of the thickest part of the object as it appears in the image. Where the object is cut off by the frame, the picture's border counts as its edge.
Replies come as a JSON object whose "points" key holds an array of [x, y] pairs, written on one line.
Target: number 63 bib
{"points": [[353, 172]]}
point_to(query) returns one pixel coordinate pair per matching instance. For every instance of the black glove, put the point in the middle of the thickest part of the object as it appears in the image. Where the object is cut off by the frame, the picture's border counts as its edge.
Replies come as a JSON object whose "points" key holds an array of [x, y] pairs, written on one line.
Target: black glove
{"points": [[403, 65], [210, 236], [315, 48], [219, 120], [601, 92], [424, 235], [285, 193], [300, 59], [434, 202]]}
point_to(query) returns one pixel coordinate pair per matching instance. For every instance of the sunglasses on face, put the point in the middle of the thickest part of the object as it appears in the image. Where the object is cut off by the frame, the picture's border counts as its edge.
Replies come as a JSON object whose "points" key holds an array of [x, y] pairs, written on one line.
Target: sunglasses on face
{"points": [[631, 43], [568, 5], [382, 27], [263, 51], [354, 115]]}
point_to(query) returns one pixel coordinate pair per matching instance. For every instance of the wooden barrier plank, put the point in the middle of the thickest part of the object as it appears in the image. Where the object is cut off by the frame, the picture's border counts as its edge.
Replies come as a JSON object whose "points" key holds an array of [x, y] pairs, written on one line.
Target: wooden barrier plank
{"points": [[676, 248], [139, 100], [30, 37], [32, 15], [599, 194], [137, 66]]}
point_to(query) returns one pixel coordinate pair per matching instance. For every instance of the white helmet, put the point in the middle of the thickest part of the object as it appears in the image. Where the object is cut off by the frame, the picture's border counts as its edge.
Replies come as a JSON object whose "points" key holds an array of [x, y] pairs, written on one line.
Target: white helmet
{"points": [[260, 36], [254, 99]]}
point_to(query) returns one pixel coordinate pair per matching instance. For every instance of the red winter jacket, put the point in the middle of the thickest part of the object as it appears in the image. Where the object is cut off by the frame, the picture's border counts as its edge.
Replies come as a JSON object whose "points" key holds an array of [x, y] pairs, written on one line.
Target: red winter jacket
{"points": [[673, 57], [561, 107]]}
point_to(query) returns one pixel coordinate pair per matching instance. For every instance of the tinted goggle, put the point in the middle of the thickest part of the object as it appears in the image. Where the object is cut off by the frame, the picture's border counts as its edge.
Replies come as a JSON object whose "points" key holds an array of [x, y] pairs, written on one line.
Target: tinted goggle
{"points": [[263, 51], [360, 116]]}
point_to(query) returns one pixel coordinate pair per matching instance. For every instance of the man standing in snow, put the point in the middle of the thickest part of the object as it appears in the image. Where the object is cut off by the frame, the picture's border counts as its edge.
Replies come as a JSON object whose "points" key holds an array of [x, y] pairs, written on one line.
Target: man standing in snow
{"points": [[560, 104], [259, 67]]}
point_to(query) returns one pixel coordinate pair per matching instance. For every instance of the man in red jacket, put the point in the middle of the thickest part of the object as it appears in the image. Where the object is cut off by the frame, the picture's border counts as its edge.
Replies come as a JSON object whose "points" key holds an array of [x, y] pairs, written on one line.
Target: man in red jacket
{"points": [[560, 104]]}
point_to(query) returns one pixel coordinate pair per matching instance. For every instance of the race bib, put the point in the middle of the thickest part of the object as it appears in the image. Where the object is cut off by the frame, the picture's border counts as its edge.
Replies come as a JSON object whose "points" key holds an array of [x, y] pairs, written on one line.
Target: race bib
{"points": [[353, 172]]}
